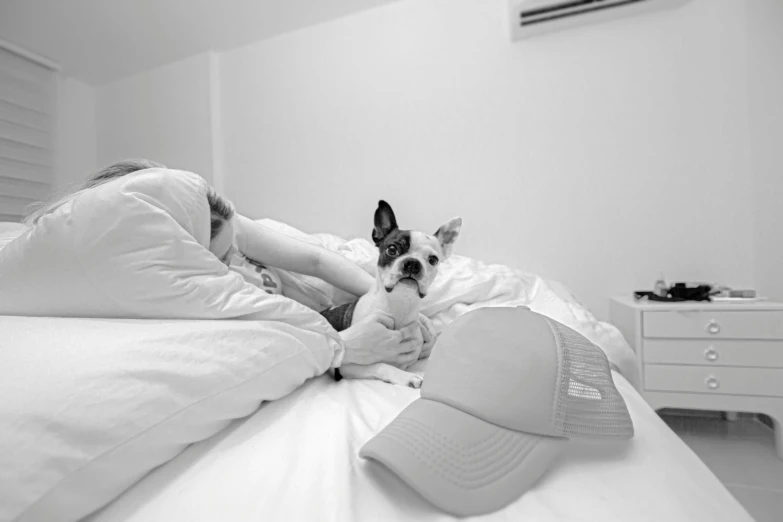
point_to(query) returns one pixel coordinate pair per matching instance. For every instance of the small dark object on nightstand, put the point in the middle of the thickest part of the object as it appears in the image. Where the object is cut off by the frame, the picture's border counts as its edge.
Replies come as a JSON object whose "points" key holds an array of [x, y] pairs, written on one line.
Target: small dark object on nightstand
{"points": [[679, 292]]}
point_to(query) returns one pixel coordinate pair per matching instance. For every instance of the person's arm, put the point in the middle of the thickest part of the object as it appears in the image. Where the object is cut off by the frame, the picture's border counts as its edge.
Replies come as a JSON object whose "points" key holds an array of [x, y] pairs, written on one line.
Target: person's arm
{"points": [[267, 246]]}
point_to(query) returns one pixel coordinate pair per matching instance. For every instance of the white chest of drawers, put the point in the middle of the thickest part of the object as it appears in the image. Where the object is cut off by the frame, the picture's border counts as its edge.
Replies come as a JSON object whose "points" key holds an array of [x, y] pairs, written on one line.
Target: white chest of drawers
{"points": [[707, 356]]}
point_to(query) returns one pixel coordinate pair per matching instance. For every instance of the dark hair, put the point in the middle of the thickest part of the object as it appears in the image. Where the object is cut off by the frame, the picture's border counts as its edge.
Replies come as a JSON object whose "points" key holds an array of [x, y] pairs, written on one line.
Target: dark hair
{"points": [[220, 209], [119, 169]]}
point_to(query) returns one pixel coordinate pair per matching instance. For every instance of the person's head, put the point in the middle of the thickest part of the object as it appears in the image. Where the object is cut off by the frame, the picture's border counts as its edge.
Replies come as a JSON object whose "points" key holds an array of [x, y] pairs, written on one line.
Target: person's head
{"points": [[221, 211]]}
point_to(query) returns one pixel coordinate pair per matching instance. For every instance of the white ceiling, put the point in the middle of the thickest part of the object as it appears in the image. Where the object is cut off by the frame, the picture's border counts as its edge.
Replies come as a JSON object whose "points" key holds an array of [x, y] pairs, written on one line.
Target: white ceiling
{"points": [[99, 41]]}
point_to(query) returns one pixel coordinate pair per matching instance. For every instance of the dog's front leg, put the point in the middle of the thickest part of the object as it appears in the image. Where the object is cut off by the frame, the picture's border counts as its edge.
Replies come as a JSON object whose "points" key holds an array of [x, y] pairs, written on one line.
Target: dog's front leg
{"points": [[382, 372]]}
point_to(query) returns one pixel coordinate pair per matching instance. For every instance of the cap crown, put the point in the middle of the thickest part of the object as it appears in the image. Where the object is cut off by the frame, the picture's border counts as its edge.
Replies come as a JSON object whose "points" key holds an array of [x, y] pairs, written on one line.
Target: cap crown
{"points": [[523, 371]]}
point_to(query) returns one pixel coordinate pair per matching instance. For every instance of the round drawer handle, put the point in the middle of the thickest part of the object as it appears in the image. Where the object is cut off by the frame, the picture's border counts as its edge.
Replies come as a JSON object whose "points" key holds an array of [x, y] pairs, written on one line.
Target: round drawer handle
{"points": [[713, 327], [711, 354], [712, 383]]}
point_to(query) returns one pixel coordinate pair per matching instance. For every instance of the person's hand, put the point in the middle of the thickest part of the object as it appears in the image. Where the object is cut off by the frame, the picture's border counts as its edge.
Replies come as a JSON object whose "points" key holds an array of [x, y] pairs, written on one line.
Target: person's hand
{"points": [[372, 340], [428, 334]]}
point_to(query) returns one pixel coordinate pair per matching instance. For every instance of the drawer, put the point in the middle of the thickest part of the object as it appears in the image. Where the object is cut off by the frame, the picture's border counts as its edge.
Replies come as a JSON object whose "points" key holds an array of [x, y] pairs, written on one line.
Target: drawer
{"points": [[703, 324], [716, 352], [717, 380]]}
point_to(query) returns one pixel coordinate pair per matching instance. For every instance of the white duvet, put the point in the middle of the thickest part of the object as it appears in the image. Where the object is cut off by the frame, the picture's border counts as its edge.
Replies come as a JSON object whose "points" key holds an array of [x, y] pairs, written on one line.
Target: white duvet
{"points": [[90, 406], [296, 460]]}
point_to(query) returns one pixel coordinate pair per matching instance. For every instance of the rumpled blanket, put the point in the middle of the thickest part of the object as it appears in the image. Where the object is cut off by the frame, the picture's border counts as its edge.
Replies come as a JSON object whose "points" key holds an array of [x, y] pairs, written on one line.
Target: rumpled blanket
{"points": [[464, 284]]}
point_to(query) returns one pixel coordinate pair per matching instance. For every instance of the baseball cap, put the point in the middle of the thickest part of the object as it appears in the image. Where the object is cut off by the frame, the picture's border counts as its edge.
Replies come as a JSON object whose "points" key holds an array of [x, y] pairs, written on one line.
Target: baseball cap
{"points": [[505, 389]]}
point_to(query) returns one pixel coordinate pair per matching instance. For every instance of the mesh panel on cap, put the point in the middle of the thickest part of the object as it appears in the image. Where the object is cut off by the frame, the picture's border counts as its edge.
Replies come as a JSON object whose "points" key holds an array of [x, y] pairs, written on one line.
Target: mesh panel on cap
{"points": [[589, 405]]}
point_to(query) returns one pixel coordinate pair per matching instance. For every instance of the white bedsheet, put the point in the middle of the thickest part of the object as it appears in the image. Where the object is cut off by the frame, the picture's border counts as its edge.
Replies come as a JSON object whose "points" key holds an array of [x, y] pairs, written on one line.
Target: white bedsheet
{"points": [[296, 459]]}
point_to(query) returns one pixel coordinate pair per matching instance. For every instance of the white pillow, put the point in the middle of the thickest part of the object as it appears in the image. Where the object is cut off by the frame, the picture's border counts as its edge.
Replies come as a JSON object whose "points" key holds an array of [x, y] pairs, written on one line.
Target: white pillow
{"points": [[89, 406], [9, 232]]}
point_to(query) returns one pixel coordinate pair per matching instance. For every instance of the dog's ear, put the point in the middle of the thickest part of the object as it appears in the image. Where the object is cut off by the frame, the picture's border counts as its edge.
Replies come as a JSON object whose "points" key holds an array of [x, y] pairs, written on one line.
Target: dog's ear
{"points": [[448, 234], [385, 222]]}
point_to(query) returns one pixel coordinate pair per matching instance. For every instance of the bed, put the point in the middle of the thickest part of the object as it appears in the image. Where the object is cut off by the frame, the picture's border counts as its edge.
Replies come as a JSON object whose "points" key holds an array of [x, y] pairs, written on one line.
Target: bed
{"points": [[296, 458]]}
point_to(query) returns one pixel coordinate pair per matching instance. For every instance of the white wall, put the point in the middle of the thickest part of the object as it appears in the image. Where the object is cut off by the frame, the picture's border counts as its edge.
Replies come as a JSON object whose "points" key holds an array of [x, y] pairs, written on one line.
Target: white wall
{"points": [[75, 143], [595, 157], [162, 115], [765, 75]]}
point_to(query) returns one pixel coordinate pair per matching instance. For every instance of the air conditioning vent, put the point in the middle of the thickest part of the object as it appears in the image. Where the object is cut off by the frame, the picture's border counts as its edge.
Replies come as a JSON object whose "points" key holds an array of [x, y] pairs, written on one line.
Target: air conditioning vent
{"points": [[533, 17]]}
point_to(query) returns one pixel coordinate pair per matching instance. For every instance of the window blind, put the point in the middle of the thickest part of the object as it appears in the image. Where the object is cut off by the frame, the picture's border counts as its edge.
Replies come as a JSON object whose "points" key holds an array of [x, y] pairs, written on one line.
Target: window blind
{"points": [[28, 97]]}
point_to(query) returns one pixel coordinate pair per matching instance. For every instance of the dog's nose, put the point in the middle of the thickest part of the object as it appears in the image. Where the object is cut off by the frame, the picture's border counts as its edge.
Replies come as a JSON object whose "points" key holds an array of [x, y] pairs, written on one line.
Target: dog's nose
{"points": [[411, 267]]}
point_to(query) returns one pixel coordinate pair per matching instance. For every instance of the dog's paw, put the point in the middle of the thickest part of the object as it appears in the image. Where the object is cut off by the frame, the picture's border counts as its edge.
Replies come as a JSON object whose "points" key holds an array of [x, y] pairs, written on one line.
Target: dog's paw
{"points": [[415, 381], [403, 378]]}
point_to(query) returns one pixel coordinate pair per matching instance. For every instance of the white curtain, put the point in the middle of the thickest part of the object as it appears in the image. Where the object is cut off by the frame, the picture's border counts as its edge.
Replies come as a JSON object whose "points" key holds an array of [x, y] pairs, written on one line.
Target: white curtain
{"points": [[28, 97]]}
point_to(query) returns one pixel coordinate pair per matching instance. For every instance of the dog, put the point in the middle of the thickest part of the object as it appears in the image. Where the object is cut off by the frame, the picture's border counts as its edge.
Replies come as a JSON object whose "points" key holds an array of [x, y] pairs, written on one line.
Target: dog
{"points": [[408, 263]]}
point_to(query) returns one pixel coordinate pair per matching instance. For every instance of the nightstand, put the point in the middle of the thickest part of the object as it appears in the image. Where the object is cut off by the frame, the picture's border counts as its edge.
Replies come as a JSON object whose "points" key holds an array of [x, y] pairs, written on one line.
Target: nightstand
{"points": [[707, 356]]}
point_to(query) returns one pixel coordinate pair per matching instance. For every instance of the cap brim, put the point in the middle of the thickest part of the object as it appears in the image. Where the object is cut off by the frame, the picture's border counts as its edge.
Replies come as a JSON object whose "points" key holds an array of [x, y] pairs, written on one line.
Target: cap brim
{"points": [[462, 464]]}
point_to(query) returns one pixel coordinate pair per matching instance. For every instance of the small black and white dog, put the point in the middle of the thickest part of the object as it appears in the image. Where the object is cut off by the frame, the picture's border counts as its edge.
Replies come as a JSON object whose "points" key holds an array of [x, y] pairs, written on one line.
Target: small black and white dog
{"points": [[407, 264]]}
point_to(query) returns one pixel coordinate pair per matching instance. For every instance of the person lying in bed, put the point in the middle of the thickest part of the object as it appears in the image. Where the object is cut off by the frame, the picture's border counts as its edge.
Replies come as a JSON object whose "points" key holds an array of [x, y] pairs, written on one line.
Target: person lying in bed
{"points": [[249, 248]]}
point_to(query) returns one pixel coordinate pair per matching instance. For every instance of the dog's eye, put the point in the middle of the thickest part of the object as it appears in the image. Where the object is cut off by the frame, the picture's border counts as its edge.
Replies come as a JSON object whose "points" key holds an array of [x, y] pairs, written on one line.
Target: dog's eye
{"points": [[433, 260], [391, 250]]}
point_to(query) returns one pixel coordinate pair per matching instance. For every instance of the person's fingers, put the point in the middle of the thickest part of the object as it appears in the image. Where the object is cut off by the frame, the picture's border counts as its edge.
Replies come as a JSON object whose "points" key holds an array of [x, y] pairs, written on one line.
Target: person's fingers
{"points": [[427, 323], [410, 348], [396, 335], [425, 333], [407, 358], [407, 350], [384, 319], [410, 344], [431, 330], [397, 339], [410, 330]]}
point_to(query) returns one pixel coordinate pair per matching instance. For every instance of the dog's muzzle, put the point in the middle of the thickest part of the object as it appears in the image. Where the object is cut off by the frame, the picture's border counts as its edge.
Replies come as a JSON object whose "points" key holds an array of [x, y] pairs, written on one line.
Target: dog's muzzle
{"points": [[405, 280]]}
